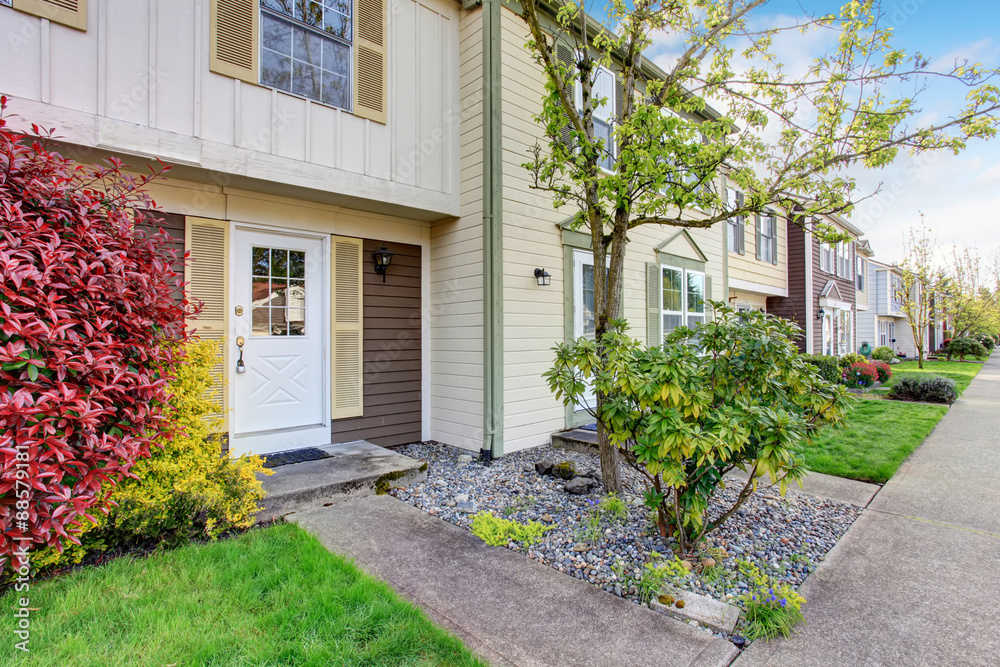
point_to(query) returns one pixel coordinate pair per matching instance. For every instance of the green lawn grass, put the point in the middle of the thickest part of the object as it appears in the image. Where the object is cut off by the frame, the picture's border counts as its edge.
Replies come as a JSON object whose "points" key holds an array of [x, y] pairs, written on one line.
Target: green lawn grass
{"points": [[961, 372], [878, 437], [273, 596]]}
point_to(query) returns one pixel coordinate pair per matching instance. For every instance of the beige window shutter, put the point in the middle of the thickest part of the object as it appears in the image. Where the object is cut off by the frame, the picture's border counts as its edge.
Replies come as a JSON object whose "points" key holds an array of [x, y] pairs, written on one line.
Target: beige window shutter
{"points": [[348, 314], [654, 305], [371, 62], [233, 38], [206, 275], [72, 13]]}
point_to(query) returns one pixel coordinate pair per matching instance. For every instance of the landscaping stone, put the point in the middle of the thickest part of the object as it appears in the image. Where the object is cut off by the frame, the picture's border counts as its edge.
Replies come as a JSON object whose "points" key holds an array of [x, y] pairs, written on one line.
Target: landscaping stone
{"points": [[465, 458], [580, 485], [544, 467], [564, 470], [811, 525]]}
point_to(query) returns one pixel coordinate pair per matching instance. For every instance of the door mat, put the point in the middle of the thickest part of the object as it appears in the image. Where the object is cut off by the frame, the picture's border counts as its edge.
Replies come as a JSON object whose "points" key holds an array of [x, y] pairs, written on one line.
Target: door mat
{"points": [[293, 456]]}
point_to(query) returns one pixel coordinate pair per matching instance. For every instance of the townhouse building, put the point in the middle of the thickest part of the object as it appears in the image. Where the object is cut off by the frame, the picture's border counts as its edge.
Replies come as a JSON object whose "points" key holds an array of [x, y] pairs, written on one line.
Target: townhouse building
{"points": [[885, 322]]}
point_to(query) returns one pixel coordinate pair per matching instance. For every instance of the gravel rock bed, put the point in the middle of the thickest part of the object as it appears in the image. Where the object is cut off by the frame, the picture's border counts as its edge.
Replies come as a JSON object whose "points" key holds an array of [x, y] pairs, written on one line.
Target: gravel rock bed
{"points": [[784, 537]]}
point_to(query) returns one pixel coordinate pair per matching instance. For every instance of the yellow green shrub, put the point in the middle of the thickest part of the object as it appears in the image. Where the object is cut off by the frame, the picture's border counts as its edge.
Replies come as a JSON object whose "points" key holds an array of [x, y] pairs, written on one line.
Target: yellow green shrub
{"points": [[186, 489]]}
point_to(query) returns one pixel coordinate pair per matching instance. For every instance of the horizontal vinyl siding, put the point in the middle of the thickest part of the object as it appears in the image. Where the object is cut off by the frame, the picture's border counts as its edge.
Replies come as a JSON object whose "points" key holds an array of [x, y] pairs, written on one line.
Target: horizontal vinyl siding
{"points": [[748, 267], [794, 306], [533, 315], [457, 270]]}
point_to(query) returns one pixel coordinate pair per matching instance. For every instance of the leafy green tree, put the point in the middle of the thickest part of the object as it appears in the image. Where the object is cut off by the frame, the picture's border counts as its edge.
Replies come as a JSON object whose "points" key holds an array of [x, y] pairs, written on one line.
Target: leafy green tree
{"points": [[726, 106], [922, 277], [971, 296], [733, 393]]}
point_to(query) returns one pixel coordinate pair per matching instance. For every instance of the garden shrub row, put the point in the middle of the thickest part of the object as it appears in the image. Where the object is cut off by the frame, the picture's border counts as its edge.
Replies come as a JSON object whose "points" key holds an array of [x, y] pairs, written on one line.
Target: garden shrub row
{"points": [[852, 370]]}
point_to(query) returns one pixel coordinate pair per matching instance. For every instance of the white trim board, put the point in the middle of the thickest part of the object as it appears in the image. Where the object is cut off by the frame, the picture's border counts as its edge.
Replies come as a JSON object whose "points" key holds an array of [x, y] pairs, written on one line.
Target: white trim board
{"points": [[757, 288]]}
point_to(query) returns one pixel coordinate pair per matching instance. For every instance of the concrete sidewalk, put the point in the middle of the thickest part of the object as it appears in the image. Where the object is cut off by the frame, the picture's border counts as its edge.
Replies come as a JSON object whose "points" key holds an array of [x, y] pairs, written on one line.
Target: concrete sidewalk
{"points": [[915, 581], [507, 608]]}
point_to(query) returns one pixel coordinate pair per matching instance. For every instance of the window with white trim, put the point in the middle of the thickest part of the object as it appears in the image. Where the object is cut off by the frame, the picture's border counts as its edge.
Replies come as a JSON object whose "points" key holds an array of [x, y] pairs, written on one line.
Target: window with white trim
{"points": [[767, 232], [826, 257], [603, 88], [306, 49], [860, 278], [735, 224], [843, 250], [683, 298]]}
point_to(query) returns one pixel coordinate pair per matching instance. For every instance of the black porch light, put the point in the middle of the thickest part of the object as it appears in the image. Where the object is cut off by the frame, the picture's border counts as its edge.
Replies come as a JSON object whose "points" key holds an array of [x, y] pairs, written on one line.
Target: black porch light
{"points": [[543, 277], [382, 258], [821, 314]]}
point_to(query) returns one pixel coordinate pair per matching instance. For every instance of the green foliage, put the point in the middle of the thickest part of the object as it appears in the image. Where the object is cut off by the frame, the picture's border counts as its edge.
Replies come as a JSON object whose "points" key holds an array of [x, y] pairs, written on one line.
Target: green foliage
{"points": [[499, 532], [520, 504], [826, 365], [732, 393], [770, 608], [654, 576], [987, 341], [966, 347], [883, 353], [852, 358], [613, 508], [928, 389]]}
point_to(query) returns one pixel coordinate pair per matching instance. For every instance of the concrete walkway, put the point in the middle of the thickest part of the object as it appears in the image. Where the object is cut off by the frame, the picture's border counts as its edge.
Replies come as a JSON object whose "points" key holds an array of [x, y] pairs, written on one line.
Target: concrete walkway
{"points": [[916, 579], [507, 608]]}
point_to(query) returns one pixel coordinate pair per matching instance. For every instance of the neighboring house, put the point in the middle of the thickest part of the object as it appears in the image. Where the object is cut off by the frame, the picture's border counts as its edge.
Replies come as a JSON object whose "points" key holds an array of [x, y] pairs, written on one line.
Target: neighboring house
{"points": [[886, 317], [822, 283]]}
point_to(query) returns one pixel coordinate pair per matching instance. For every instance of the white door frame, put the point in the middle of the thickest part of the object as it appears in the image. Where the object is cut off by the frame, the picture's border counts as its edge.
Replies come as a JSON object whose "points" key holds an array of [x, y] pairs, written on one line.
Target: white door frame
{"points": [[281, 439]]}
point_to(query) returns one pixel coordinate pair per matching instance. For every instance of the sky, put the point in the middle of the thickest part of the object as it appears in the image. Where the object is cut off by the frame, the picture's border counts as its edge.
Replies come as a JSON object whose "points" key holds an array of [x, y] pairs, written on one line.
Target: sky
{"points": [[958, 195]]}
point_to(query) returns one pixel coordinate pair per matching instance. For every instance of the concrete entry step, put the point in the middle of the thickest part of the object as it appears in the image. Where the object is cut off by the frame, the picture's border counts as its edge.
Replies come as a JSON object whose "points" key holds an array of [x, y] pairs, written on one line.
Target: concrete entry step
{"points": [[351, 469], [576, 440]]}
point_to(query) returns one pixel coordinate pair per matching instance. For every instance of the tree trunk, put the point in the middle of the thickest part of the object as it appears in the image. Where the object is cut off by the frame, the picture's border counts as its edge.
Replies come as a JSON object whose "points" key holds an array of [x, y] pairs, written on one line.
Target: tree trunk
{"points": [[611, 474]]}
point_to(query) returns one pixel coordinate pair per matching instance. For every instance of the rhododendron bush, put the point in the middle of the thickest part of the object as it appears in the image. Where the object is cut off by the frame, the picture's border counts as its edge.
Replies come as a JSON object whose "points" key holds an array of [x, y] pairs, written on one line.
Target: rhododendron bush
{"points": [[87, 322]]}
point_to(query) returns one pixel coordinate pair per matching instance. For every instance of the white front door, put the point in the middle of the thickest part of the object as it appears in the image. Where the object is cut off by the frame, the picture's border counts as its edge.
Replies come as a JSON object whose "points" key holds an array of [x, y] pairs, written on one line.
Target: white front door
{"points": [[281, 305]]}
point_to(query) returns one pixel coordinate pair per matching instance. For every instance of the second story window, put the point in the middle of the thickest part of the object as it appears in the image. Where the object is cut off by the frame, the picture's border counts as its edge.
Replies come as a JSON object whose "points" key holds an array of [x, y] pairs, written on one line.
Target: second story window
{"points": [[602, 89], [767, 238], [735, 225], [860, 284], [844, 260], [306, 49], [826, 257]]}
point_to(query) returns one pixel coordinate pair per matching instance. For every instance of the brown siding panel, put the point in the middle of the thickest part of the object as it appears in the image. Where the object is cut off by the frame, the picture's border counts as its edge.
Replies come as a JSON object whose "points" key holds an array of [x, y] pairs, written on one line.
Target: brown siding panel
{"points": [[392, 354], [793, 307]]}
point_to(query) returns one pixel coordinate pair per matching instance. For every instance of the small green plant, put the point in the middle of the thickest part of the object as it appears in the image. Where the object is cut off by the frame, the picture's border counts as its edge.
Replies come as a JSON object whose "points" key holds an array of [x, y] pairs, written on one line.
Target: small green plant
{"points": [[612, 508], [927, 388], [826, 366], [499, 532], [853, 358], [590, 529], [770, 608], [520, 504]]}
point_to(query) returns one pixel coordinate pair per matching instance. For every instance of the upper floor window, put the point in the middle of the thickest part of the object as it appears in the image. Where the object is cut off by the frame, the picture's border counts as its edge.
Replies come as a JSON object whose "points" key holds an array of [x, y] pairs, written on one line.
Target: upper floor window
{"points": [[306, 49], [683, 298], [860, 274], [603, 88], [826, 257], [767, 238], [844, 260]]}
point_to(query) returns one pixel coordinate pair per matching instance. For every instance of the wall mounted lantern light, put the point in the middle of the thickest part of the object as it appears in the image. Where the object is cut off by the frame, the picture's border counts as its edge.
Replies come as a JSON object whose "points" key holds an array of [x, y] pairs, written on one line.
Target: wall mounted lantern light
{"points": [[382, 258], [543, 277], [821, 313]]}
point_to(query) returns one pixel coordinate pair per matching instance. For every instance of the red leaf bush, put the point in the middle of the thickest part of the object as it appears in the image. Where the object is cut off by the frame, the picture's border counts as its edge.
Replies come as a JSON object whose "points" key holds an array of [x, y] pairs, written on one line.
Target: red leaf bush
{"points": [[88, 333], [860, 375], [883, 370]]}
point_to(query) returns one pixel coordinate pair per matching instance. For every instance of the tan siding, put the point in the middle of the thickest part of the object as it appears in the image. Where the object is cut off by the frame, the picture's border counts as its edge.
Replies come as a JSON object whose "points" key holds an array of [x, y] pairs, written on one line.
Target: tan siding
{"points": [[748, 267], [456, 326]]}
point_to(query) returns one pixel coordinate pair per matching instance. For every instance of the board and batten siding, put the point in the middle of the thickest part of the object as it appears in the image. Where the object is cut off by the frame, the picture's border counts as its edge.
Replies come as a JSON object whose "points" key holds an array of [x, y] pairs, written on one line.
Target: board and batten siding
{"points": [[391, 354], [456, 270], [534, 317], [138, 82], [748, 267]]}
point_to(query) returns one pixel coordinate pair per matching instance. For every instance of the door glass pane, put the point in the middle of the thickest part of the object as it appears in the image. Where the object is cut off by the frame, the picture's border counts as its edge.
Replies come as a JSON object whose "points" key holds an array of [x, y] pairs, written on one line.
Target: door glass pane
{"points": [[278, 302]]}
